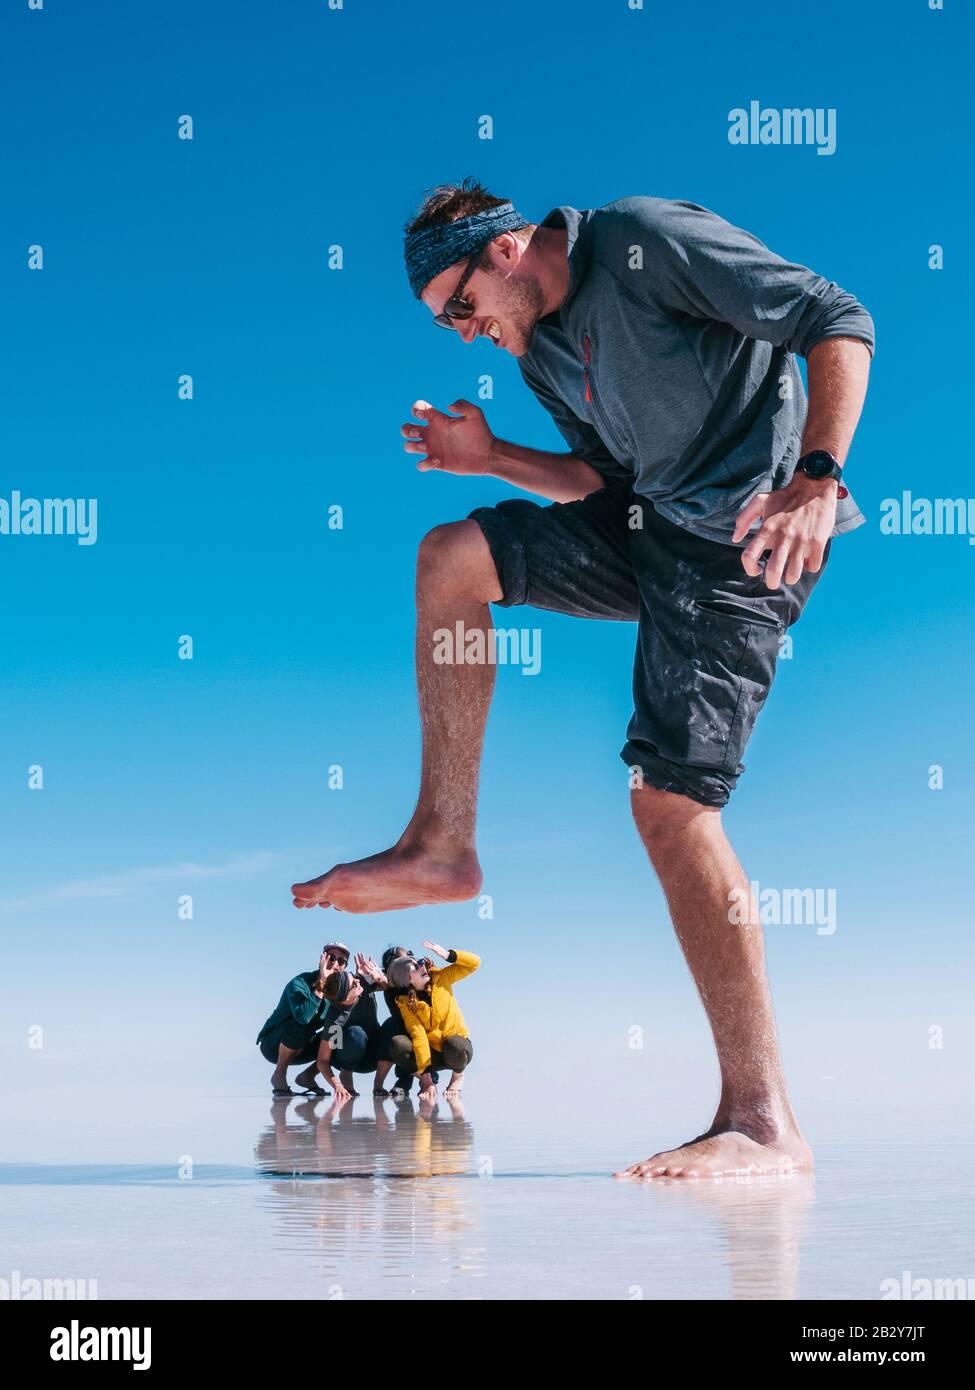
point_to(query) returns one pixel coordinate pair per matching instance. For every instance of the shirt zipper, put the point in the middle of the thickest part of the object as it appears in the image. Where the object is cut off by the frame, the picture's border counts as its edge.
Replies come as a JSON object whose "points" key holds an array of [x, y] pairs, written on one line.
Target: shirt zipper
{"points": [[610, 434]]}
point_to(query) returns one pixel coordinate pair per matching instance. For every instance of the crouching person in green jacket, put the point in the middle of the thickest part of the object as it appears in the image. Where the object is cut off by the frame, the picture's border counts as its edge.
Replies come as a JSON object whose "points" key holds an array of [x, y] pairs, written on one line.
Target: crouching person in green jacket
{"points": [[291, 1035]]}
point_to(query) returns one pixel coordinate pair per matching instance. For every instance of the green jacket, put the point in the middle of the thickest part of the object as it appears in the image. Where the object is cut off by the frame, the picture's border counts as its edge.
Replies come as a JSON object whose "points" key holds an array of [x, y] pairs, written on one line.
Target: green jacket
{"points": [[300, 1003]]}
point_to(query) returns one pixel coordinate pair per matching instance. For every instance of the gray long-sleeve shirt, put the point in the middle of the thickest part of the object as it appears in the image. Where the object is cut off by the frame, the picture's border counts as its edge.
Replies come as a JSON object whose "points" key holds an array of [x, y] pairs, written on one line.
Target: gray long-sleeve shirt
{"points": [[671, 358]]}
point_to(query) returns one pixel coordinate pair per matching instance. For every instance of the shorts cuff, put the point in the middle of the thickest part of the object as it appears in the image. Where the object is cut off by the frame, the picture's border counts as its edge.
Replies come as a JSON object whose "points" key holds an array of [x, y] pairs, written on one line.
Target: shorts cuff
{"points": [[701, 784], [508, 554]]}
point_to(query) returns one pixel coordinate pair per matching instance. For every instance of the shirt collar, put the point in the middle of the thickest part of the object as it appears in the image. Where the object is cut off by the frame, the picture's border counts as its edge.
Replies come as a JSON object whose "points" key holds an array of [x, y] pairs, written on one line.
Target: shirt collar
{"points": [[577, 248], [577, 252]]}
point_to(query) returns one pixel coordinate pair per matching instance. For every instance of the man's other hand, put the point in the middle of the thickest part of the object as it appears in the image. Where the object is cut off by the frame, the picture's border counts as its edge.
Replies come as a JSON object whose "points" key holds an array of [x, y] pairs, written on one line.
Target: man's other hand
{"points": [[459, 443], [797, 521]]}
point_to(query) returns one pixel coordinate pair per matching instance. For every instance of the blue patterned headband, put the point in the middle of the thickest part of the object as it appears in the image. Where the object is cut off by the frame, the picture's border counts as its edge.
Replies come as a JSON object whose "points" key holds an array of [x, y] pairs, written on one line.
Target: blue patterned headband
{"points": [[432, 249]]}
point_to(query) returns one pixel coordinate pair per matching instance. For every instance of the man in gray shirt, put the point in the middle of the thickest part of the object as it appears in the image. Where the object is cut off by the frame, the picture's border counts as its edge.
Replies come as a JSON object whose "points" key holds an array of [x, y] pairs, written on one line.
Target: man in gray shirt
{"points": [[699, 498]]}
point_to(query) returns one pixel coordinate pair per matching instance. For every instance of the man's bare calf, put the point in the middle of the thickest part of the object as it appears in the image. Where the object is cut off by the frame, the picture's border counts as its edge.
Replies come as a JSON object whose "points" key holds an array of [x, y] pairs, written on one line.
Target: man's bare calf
{"points": [[435, 859], [754, 1129]]}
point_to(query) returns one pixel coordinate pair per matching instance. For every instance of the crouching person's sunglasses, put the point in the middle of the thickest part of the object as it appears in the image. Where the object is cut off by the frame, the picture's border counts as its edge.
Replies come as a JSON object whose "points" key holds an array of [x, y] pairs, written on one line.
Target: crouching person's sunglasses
{"points": [[457, 307]]}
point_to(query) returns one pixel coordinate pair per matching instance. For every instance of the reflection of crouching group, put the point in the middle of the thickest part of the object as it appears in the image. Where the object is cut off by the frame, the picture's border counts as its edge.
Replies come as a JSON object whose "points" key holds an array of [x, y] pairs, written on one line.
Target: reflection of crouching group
{"points": [[327, 1018]]}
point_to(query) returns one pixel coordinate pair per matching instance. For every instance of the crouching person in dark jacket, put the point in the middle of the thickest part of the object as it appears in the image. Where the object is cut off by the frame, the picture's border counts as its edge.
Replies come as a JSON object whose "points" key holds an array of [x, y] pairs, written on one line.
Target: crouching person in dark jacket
{"points": [[352, 1038]]}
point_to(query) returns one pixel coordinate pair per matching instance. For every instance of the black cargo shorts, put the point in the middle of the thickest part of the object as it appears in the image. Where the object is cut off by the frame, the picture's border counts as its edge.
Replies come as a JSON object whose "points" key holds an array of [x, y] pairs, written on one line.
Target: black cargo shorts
{"points": [[709, 634]]}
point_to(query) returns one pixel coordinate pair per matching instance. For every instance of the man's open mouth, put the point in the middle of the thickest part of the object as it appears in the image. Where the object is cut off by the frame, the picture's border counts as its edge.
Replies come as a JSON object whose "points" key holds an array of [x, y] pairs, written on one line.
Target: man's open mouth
{"points": [[493, 331]]}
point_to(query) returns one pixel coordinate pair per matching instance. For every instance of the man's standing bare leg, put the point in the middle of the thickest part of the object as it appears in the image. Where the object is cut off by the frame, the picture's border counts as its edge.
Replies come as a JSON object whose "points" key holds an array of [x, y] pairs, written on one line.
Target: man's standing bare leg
{"points": [[754, 1129], [435, 859]]}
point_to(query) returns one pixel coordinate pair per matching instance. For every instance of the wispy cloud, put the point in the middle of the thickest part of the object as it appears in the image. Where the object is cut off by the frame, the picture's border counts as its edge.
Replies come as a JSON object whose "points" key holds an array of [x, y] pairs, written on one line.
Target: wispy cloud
{"points": [[120, 885]]}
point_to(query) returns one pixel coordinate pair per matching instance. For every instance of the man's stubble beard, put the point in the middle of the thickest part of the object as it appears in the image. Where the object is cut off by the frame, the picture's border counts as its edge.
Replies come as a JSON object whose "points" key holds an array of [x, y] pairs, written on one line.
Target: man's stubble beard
{"points": [[524, 305]]}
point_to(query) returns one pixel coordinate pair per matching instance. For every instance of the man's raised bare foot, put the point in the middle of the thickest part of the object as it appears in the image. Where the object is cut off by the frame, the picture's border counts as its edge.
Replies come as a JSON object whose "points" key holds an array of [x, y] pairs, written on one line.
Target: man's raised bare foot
{"points": [[407, 877], [725, 1155], [455, 1085]]}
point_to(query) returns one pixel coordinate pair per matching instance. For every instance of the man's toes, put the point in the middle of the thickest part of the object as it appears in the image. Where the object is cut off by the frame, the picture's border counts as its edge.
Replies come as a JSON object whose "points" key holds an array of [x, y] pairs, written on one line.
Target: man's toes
{"points": [[311, 894]]}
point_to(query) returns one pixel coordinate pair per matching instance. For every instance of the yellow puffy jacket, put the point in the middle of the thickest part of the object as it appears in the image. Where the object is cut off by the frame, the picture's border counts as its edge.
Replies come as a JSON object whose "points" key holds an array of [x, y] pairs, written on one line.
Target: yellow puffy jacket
{"points": [[428, 1024]]}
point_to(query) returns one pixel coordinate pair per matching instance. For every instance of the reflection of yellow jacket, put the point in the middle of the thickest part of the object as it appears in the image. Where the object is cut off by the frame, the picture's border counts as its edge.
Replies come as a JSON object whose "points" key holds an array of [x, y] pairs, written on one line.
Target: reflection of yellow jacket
{"points": [[428, 1024]]}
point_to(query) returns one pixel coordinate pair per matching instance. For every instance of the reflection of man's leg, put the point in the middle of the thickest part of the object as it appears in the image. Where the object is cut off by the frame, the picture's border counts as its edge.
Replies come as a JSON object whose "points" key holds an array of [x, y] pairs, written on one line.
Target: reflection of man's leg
{"points": [[709, 639], [568, 557]]}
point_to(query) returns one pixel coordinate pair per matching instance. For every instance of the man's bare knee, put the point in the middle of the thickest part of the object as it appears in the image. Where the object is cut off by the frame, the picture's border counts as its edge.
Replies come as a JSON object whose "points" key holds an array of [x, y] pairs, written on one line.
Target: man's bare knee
{"points": [[661, 816], [456, 557]]}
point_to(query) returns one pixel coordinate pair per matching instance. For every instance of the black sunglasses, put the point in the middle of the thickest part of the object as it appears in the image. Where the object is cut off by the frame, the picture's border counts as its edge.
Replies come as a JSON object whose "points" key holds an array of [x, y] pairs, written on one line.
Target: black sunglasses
{"points": [[457, 307]]}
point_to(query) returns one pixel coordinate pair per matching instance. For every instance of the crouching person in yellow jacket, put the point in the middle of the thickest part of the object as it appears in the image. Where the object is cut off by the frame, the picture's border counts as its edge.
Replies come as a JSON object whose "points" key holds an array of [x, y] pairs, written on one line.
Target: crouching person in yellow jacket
{"points": [[437, 1034]]}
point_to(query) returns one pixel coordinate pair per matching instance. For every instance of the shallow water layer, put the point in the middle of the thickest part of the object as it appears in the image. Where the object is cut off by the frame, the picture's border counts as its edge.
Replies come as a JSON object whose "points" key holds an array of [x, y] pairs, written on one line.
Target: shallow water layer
{"points": [[377, 1201]]}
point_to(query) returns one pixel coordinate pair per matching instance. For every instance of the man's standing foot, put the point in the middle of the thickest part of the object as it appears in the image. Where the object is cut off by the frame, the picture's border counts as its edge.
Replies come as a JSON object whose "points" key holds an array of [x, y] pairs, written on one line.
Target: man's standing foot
{"points": [[727, 1153]]}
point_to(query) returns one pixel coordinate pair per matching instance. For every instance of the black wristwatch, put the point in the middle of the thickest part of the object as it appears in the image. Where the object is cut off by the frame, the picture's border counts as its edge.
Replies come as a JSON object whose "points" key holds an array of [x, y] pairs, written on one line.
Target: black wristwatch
{"points": [[819, 464]]}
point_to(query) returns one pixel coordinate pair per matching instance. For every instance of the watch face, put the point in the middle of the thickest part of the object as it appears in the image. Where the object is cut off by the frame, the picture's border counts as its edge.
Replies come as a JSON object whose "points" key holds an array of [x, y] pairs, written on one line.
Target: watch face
{"points": [[818, 465]]}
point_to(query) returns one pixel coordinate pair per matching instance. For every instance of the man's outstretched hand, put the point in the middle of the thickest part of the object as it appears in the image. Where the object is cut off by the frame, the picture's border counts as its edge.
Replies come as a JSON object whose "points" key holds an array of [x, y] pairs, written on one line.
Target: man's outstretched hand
{"points": [[458, 443], [797, 521]]}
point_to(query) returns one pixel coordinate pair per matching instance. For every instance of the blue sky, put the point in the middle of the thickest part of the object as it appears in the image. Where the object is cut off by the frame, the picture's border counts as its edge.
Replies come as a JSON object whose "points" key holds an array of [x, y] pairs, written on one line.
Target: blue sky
{"points": [[162, 256]]}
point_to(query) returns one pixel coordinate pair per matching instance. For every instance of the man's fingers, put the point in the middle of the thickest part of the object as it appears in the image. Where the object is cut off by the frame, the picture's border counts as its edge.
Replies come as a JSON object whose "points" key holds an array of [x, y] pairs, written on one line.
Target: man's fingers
{"points": [[814, 558], [794, 568], [419, 447], [777, 562], [411, 430], [423, 410], [749, 514], [464, 408], [426, 464], [752, 553]]}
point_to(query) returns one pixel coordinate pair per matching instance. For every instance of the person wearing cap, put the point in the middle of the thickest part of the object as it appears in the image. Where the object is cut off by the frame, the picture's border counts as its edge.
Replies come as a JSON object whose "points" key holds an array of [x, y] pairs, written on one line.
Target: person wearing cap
{"points": [[436, 1034], [290, 1035], [351, 1037], [699, 499]]}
